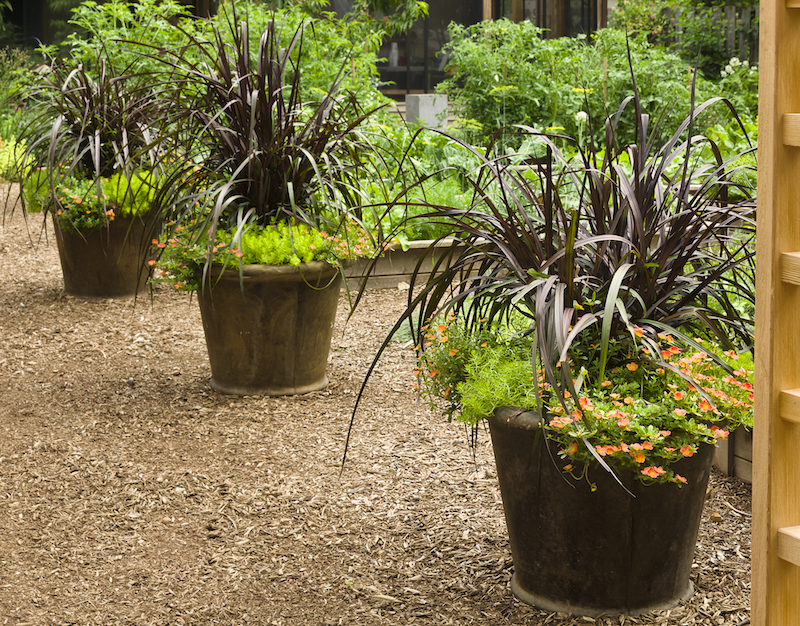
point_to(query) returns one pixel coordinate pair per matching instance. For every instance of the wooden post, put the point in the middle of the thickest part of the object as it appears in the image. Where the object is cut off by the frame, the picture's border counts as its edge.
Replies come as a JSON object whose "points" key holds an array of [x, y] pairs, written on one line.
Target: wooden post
{"points": [[516, 11], [775, 600], [730, 30], [487, 10], [202, 8], [744, 39]]}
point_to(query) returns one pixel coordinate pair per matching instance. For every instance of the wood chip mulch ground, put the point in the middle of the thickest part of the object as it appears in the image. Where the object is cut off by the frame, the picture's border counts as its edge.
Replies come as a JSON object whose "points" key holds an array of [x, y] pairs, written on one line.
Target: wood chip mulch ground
{"points": [[131, 493]]}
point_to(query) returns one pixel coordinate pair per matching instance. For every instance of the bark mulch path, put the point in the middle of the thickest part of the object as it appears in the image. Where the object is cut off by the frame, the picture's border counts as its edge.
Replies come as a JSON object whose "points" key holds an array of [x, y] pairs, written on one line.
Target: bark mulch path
{"points": [[131, 493]]}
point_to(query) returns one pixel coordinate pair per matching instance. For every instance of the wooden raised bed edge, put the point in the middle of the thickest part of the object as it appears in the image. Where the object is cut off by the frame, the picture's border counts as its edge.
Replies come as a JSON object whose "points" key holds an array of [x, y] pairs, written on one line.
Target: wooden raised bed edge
{"points": [[734, 455], [397, 265]]}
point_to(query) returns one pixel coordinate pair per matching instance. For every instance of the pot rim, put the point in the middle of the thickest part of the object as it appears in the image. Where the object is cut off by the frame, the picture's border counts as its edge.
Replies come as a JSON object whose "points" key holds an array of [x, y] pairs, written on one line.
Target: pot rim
{"points": [[259, 270]]}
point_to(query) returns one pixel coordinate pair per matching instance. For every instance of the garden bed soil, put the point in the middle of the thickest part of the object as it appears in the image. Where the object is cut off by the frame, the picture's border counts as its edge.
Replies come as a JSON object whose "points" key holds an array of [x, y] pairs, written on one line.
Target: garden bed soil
{"points": [[131, 493]]}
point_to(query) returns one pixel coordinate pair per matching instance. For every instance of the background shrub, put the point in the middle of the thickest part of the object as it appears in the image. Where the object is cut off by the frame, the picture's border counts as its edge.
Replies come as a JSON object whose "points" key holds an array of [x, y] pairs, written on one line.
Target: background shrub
{"points": [[505, 73]]}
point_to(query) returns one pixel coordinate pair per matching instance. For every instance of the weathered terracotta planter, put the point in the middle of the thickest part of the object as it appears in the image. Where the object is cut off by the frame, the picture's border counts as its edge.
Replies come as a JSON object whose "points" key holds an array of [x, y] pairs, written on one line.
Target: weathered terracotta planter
{"points": [[110, 262], [598, 552], [270, 334]]}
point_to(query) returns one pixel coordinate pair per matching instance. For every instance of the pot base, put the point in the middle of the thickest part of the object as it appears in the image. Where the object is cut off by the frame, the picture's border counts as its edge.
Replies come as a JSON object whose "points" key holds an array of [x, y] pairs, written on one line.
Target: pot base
{"points": [[237, 390], [547, 604]]}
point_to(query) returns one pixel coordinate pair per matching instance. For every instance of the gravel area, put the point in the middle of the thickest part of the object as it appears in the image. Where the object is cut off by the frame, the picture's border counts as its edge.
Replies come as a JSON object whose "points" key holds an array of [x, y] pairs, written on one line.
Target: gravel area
{"points": [[131, 493]]}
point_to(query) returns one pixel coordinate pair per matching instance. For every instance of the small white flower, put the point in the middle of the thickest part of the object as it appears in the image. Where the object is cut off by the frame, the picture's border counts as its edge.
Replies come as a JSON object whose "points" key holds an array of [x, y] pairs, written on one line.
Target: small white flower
{"points": [[734, 62], [723, 72], [745, 63], [581, 117]]}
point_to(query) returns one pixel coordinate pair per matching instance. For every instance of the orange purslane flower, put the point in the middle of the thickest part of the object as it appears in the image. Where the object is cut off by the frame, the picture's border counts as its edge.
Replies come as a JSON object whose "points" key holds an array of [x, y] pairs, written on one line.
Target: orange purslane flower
{"points": [[718, 432], [632, 367], [560, 421], [653, 472]]}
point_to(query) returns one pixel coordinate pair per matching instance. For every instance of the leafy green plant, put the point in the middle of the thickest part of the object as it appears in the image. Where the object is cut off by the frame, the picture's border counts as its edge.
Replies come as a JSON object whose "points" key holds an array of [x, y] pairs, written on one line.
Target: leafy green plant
{"points": [[602, 255], [16, 76], [398, 207], [91, 133], [695, 30], [184, 255], [265, 155], [702, 37], [334, 50], [644, 417], [9, 151], [506, 74], [739, 84], [648, 17], [397, 16], [119, 29]]}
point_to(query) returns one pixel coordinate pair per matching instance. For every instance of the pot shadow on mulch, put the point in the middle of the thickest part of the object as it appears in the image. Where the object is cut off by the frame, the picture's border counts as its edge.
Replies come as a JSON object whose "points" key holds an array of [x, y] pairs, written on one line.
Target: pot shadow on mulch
{"points": [[131, 493]]}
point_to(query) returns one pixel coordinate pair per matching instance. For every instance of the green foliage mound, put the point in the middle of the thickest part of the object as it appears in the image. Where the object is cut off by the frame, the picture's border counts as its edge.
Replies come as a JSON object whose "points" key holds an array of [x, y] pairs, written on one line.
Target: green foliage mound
{"points": [[505, 73]]}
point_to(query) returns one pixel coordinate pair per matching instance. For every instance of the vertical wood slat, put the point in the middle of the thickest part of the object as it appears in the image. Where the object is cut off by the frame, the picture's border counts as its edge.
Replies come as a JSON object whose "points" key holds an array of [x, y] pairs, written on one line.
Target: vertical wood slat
{"points": [[730, 30], [516, 11], [743, 44], [776, 436]]}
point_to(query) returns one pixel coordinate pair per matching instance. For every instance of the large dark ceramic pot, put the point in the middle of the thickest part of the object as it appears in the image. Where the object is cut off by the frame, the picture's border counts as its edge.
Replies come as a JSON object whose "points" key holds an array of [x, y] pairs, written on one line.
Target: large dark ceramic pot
{"points": [[270, 332], [109, 262], [593, 552]]}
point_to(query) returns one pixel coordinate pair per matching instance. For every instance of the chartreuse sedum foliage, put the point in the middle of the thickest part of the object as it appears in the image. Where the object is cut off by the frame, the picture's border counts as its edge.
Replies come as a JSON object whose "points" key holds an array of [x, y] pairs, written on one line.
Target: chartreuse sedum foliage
{"points": [[506, 73], [82, 204], [184, 255]]}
